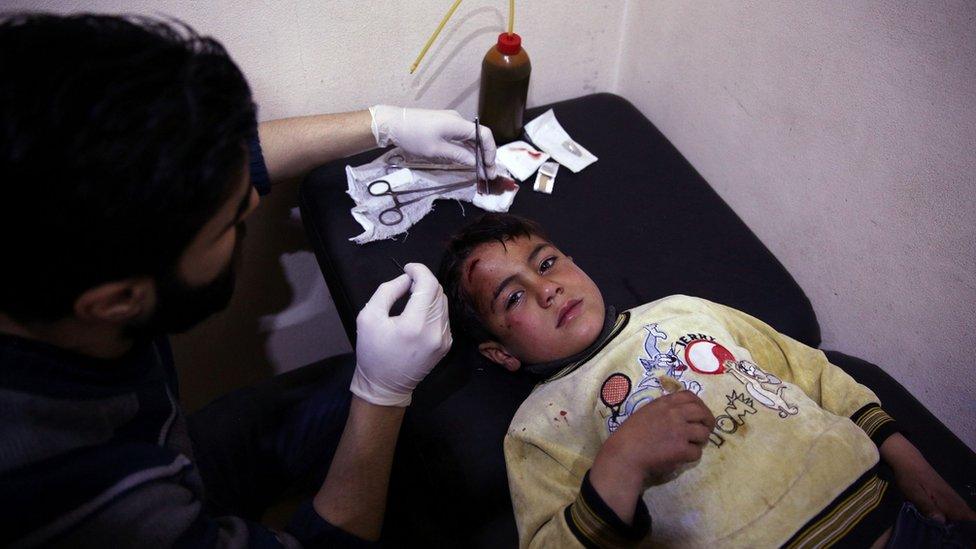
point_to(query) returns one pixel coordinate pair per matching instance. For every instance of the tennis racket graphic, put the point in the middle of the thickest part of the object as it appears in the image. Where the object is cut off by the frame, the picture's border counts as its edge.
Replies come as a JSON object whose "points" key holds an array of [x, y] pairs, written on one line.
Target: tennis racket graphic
{"points": [[614, 393]]}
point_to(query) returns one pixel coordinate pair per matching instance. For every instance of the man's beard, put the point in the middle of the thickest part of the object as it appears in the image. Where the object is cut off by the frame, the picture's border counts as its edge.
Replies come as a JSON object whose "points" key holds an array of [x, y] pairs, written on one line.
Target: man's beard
{"points": [[180, 306]]}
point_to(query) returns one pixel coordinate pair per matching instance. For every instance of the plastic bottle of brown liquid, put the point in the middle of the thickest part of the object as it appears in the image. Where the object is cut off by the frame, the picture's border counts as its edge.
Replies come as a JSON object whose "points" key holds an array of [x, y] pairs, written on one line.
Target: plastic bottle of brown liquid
{"points": [[504, 86]]}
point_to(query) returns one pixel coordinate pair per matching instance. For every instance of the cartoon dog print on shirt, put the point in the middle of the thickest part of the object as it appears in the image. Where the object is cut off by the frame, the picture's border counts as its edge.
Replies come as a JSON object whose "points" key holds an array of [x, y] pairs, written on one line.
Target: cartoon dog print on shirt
{"points": [[764, 387]]}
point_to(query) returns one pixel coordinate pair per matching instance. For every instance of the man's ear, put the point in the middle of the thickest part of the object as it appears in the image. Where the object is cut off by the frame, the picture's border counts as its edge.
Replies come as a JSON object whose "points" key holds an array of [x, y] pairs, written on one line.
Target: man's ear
{"points": [[497, 353], [116, 302]]}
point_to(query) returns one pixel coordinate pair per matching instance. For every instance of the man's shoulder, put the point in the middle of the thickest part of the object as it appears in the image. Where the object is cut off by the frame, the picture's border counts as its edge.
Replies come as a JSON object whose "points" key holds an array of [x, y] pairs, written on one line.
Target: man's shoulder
{"points": [[35, 367], [94, 466], [66, 428], [56, 403], [78, 483]]}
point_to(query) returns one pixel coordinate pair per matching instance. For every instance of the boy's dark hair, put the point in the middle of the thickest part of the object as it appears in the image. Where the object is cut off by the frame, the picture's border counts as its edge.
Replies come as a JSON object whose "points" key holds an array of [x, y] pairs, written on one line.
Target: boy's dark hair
{"points": [[491, 227], [119, 138]]}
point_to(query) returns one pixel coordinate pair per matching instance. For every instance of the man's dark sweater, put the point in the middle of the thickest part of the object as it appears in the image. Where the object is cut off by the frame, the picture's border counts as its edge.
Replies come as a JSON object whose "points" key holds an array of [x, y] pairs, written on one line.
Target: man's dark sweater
{"points": [[97, 452]]}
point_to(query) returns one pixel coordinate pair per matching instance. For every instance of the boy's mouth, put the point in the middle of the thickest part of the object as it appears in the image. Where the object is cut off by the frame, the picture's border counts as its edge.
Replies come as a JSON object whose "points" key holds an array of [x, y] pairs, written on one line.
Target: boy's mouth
{"points": [[569, 311]]}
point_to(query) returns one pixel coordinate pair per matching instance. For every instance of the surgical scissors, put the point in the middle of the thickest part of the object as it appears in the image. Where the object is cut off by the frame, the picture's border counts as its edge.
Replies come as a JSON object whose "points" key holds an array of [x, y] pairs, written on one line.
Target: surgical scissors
{"points": [[382, 187]]}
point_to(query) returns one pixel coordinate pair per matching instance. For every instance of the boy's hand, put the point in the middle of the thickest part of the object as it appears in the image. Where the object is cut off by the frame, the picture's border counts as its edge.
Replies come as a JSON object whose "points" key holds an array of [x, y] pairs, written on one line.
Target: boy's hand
{"points": [[652, 444], [921, 484]]}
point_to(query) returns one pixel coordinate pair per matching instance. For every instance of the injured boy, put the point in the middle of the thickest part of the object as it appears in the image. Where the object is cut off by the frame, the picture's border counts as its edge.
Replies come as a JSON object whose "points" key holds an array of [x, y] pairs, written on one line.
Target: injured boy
{"points": [[723, 430]]}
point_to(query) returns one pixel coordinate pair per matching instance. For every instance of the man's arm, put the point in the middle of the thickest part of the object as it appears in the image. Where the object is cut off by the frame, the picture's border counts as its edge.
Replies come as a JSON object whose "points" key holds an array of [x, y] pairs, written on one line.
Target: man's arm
{"points": [[353, 496], [393, 354], [294, 146]]}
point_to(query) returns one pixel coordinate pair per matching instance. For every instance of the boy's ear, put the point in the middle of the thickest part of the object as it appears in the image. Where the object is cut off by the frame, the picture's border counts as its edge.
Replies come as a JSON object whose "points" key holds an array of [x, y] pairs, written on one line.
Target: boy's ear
{"points": [[497, 353], [116, 302]]}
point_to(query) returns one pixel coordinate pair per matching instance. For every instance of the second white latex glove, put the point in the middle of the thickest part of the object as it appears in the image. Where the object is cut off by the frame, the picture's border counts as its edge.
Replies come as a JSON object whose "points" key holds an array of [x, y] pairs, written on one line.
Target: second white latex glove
{"points": [[393, 354], [438, 136]]}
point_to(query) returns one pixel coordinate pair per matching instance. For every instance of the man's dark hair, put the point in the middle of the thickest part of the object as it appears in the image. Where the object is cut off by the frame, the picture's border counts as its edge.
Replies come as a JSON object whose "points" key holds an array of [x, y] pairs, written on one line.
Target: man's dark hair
{"points": [[491, 227], [119, 138]]}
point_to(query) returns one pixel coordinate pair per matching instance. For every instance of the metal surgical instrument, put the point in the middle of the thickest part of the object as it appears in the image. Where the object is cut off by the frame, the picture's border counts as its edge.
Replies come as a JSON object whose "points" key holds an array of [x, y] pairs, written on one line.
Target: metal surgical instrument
{"points": [[396, 161], [479, 159], [381, 187], [394, 215]]}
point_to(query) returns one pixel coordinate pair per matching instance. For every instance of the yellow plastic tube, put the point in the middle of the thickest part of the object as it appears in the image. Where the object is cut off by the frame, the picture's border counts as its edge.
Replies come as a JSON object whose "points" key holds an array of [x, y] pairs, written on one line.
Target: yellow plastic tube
{"points": [[511, 16], [433, 37]]}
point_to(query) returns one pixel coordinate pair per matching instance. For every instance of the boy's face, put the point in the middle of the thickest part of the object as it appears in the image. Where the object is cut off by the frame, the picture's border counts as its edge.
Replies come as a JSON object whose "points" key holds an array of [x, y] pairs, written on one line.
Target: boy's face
{"points": [[535, 300]]}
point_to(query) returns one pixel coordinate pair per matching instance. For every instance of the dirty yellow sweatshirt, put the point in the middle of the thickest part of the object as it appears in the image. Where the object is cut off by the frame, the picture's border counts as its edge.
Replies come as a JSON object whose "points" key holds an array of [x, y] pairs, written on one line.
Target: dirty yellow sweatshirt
{"points": [[791, 460]]}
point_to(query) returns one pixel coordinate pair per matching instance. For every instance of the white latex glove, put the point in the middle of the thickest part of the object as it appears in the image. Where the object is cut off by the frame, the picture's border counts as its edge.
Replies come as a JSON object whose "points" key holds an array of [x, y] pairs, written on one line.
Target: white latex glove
{"points": [[393, 354], [438, 136]]}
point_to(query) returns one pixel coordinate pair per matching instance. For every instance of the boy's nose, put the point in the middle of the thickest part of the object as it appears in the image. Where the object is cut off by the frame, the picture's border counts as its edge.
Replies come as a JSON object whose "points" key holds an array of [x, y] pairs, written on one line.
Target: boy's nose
{"points": [[548, 290]]}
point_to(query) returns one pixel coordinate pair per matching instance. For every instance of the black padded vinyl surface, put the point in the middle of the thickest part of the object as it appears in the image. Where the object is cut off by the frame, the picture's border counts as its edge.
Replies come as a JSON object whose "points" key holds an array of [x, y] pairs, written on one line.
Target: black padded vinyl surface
{"points": [[944, 451], [642, 223]]}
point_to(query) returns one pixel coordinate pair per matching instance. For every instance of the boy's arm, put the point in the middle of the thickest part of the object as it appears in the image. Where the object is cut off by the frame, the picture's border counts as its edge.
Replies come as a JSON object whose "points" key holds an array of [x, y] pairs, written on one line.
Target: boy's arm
{"points": [[837, 392], [542, 489], [555, 507], [921, 484], [809, 370]]}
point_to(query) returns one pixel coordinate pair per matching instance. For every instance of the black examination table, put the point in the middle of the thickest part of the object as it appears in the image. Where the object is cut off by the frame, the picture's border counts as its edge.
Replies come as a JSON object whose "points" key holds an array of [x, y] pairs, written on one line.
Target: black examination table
{"points": [[644, 224]]}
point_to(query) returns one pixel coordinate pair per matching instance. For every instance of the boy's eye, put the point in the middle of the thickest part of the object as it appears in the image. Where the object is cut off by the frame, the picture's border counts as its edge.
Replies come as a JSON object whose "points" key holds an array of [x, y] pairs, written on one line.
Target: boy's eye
{"points": [[547, 264], [513, 299]]}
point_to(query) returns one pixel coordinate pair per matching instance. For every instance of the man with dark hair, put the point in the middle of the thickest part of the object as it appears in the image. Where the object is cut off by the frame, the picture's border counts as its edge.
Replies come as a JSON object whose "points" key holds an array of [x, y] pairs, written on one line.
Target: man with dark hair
{"points": [[130, 156]]}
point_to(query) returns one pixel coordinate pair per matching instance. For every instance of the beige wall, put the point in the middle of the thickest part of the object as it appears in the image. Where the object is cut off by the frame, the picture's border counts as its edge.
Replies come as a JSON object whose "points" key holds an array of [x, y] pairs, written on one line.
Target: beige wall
{"points": [[304, 57], [843, 133]]}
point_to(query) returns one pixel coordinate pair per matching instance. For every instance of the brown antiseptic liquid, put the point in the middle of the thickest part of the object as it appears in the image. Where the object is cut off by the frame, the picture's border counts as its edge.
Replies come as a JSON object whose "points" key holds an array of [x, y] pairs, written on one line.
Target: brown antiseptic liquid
{"points": [[504, 87]]}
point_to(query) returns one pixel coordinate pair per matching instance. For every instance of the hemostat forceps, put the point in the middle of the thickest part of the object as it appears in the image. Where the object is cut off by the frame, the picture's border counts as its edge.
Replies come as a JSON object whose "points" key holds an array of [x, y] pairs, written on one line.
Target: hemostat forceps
{"points": [[394, 215], [479, 159], [396, 161]]}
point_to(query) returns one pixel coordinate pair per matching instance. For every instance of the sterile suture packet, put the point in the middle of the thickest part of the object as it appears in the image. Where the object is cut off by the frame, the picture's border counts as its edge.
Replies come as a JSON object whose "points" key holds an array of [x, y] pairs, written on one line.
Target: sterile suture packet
{"points": [[545, 179], [549, 136]]}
